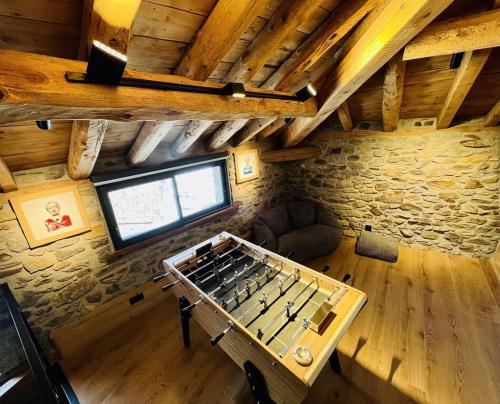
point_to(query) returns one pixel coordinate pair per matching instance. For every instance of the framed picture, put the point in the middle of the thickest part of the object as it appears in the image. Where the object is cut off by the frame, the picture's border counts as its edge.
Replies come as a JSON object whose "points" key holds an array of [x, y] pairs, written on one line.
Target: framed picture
{"points": [[50, 215], [246, 163]]}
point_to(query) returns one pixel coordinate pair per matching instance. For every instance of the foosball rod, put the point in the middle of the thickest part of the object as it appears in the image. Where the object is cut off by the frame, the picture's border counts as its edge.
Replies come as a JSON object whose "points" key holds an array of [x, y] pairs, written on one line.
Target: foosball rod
{"points": [[307, 320], [260, 331]]}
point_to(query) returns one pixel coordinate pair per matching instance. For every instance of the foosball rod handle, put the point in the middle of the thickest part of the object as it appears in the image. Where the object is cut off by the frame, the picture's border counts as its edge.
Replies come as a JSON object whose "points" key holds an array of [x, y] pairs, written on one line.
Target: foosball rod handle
{"points": [[346, 278], [263, 243], [167, 287], [187, 309], [158, 278], [215, 339]]}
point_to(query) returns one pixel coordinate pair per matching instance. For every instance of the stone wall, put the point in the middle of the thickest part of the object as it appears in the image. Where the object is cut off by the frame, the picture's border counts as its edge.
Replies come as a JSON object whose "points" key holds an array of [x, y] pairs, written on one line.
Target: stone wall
{"points": [[428, 188], [63, 280]]}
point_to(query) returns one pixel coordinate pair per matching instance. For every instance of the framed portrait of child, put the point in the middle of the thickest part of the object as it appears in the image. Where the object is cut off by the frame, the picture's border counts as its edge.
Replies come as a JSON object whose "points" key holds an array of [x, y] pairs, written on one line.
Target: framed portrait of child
{"points": [[50, 215]]}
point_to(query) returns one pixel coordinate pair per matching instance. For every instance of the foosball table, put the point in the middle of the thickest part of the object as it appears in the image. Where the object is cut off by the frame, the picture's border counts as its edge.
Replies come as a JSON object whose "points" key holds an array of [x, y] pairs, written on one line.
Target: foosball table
{"points": [[278, 320]]}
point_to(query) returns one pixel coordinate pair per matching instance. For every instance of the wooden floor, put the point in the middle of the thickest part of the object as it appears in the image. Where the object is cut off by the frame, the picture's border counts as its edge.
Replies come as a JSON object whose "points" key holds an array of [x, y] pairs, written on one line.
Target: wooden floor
{"points": [[430, 332]]}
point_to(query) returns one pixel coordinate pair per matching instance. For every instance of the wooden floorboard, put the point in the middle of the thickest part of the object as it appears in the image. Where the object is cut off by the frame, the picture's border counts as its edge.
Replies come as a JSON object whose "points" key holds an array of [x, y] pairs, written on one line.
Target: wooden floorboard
{"points": [[429, 332]]}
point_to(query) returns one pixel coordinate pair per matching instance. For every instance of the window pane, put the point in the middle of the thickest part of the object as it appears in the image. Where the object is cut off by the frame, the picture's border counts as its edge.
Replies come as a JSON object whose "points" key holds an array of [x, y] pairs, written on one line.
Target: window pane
{"points": [[200, 189], [145, 207]]}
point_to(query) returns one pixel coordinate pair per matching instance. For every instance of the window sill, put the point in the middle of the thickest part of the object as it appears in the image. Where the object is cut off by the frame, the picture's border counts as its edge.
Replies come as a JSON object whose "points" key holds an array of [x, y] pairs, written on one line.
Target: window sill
{"points": [[118, 254]]}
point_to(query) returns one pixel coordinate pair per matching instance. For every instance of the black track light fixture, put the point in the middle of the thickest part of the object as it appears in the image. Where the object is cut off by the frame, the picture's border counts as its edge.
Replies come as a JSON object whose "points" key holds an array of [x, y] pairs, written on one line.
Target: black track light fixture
{"points": [[456, 60], [305, 93], [44, 125]]}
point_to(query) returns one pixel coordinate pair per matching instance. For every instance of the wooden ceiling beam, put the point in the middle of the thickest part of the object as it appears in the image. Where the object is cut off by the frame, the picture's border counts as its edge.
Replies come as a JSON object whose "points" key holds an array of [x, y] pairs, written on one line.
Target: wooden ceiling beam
{"points": [[470, 67], [393, 92], [272, 128], [149, 137], [468, 33], [329, 34], [109, 22], [50, 96], [250, 130], [191, 133], [84, 146], [389, 27], [335, 28], [493, 116], [7, 181], [210, 45], [345, 116], [294, 154], [224, 26], [287, 18]]}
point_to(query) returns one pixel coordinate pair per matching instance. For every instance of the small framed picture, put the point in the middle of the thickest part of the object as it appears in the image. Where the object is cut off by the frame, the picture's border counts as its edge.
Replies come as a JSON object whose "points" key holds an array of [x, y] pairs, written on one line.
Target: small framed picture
{"points": [[246, 163], [50, 215]]}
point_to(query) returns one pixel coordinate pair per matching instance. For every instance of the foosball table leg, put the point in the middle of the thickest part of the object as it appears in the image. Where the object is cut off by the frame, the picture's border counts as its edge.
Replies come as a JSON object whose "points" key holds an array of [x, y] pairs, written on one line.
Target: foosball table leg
{"points": [[335, 362], [257, 384], [185, 316]]}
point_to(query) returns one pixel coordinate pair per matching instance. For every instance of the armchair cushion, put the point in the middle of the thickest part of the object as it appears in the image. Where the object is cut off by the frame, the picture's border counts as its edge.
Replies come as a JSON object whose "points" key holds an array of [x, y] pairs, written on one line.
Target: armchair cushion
{"points": [[262, 232], [309, 242], [277, 219], [302, 213]]}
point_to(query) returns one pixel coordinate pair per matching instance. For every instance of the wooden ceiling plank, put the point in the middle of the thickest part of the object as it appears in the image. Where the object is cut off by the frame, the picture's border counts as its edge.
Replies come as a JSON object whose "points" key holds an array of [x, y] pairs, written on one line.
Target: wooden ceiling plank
{"points": [[324, 38], [393, 92], [84, 147], [338, 24], [211, 44], [287, 18], [345, 117], [390, 26], [150, 136], [52, 97], [284, 155], [7, 181], [329, 34], [470, 67], [493, 116], [462, 34], [213, 40]]}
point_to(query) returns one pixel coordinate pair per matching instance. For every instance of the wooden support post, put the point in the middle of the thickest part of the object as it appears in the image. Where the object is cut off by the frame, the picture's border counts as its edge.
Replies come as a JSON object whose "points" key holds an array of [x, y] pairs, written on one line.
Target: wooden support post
{"points": [[393, 92], [7, 181], [150, 136], [84, 147], [382, 34], [470, 67], [462, 34], [493, 116], [345, 116]]}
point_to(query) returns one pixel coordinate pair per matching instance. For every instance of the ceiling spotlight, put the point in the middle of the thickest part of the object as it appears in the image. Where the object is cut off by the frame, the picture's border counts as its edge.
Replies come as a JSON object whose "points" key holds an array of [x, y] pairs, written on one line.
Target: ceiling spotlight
{"points": [[44, 125], [236, 90], [456, 59], [305, 93], [105, 64]]}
